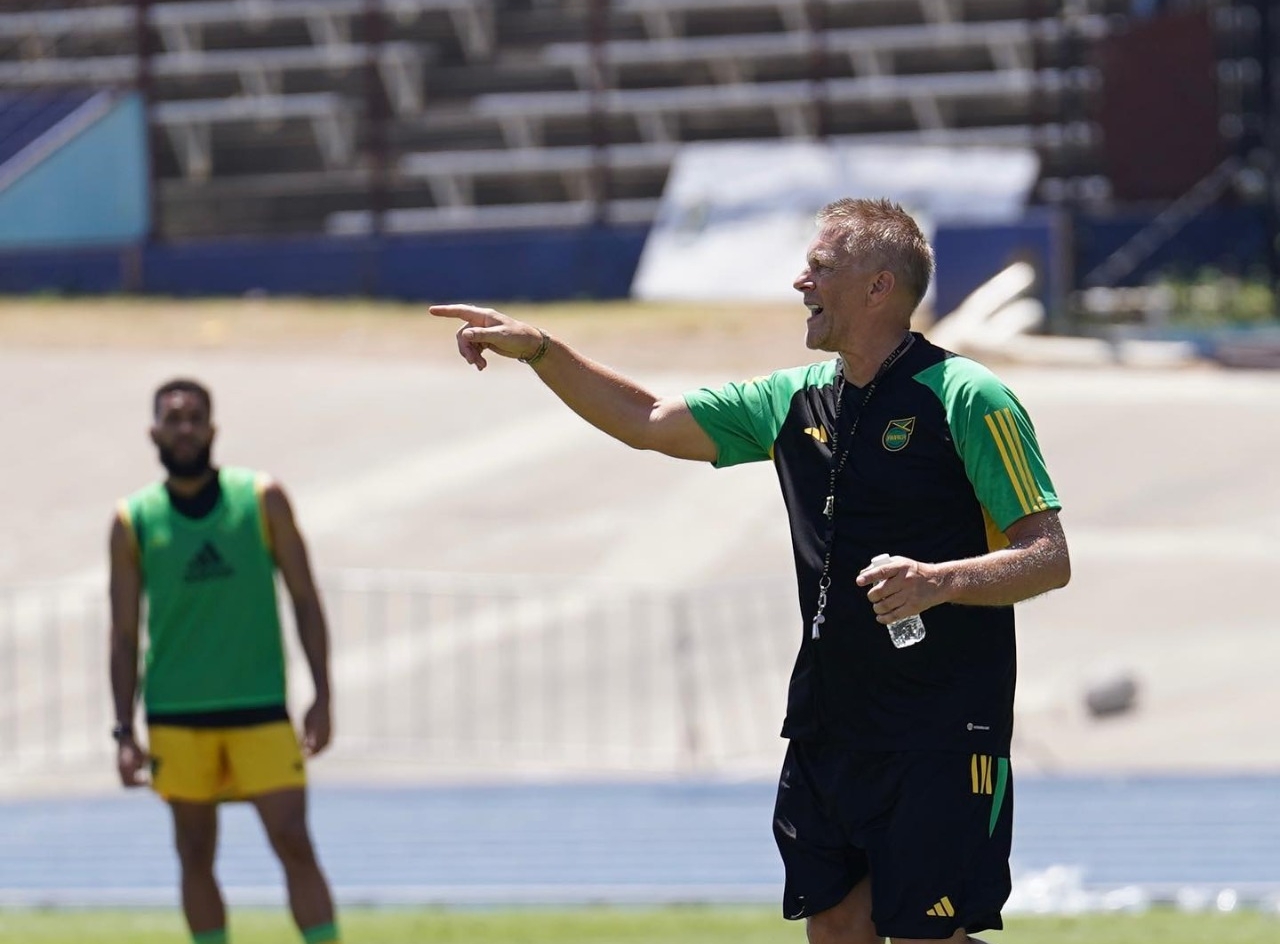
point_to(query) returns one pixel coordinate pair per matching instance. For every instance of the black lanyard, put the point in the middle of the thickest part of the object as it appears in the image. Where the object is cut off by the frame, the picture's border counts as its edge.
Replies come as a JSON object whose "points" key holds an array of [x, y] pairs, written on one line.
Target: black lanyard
{"points": [[837, 466]]}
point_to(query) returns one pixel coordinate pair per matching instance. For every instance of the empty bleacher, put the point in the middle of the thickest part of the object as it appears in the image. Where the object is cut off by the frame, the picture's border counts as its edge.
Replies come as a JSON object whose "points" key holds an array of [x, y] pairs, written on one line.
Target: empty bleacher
{"points": [[249, 72], [194, 24], [298, 115], [868, 51], [954, 71]]}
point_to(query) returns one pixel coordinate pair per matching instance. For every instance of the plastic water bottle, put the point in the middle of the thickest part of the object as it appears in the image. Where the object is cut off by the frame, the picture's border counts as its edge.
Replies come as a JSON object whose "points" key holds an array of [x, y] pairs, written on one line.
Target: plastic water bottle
{"points": [[903, 632]]}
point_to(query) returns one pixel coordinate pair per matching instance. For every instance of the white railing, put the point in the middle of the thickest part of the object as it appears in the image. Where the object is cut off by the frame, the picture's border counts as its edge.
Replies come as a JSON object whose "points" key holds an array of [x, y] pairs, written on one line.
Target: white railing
{"points": [[453, 672]]}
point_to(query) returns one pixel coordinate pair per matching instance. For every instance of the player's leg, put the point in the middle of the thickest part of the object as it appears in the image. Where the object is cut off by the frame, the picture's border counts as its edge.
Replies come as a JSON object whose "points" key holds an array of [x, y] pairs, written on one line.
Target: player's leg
{"points": [[195, 833], [826, 875], [284, 817], [187, 768], [848, 922], [940, 864], [268, 770]]}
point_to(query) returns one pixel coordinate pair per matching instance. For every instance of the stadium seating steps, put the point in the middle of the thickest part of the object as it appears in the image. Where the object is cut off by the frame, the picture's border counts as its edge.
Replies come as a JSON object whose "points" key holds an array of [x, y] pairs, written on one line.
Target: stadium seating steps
{"points": [[491, 115]]}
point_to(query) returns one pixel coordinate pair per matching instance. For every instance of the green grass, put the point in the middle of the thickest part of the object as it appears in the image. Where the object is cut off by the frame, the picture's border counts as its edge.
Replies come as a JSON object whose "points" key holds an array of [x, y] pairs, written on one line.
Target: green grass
{"points": [[695, 925]]}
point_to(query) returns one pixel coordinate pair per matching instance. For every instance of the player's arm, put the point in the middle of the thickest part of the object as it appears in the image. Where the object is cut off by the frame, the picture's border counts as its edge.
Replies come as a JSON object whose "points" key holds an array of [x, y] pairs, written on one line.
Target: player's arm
{"points": [[125, 589], [1035, 562], [290, 553], [997, 443], [604, 398]]}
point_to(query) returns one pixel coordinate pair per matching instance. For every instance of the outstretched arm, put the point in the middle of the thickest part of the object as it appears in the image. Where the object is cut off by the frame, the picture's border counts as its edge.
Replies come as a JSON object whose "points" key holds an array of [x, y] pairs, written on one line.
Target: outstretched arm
{"points": [[291, 557], [126, 595], [1035, 562], [604, 398]]}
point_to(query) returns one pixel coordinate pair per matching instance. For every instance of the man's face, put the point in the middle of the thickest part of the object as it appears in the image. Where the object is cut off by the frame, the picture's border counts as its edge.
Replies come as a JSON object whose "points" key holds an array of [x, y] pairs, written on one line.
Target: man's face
{"points": [[183, 434], [834, 288]]}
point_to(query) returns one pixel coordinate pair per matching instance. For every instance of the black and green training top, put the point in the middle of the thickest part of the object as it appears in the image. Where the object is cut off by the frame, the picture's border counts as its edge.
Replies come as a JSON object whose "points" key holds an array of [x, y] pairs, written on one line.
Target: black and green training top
{"points": [[943, 460]]}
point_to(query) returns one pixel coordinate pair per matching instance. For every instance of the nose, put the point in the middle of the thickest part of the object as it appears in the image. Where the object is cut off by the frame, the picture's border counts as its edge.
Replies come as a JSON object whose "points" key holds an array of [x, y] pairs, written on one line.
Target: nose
{"points": [[803, 282]]}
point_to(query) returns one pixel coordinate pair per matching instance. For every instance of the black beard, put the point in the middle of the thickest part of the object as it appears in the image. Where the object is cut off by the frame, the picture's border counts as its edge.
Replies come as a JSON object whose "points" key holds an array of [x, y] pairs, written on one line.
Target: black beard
{"points": [[192, 468]]}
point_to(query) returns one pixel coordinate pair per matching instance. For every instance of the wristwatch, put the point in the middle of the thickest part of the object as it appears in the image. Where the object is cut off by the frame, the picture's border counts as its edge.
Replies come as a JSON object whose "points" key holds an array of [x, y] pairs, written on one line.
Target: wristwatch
{"points": [[121, 731]]}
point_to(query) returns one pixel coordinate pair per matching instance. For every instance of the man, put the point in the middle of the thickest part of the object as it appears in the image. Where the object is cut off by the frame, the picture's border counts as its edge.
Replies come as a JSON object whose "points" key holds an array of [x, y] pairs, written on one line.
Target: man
{"points": [[203, 547], [894, 804]]}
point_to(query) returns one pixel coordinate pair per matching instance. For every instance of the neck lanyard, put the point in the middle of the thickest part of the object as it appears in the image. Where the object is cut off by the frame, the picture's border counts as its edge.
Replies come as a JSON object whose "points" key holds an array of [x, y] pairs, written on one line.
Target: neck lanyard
{"points": [[837, 466]]}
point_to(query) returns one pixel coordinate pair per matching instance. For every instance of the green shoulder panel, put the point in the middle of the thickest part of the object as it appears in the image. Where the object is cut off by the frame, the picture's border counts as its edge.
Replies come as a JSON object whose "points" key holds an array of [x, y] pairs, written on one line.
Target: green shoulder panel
{"points": [[743, 419], [995, 439]]}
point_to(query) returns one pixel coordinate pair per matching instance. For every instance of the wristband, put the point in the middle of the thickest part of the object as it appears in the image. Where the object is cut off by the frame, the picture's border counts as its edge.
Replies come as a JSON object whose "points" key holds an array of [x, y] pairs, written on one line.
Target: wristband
{"points": [[541, 352]]}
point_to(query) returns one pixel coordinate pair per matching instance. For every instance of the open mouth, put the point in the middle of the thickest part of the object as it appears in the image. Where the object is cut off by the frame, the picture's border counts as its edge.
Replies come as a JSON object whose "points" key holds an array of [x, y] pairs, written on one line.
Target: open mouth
{"points": [[814, 310]]}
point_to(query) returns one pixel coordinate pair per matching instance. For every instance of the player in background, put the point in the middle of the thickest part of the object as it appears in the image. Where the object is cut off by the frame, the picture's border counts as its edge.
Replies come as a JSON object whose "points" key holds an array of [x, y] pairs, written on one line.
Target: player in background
{"points": [[202, 547]]}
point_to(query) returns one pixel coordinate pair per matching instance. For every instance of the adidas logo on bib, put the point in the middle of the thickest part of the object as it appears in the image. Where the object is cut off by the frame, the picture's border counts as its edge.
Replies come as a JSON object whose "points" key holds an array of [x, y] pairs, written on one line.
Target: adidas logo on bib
{"points": [[207, 564]]}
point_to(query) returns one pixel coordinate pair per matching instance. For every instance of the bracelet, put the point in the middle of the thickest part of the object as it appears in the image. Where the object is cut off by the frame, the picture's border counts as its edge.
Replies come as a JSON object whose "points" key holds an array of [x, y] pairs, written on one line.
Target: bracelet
{"points": [[541, 352]]}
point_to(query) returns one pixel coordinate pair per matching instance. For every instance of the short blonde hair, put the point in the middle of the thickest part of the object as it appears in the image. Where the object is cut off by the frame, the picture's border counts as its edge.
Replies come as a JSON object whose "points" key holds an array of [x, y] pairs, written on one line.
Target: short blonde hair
{"points": [[883, 235]]}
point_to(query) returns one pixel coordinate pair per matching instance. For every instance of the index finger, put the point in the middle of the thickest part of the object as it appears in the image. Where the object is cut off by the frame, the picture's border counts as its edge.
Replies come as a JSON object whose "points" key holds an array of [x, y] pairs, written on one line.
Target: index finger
{"points": [[474, 316]]}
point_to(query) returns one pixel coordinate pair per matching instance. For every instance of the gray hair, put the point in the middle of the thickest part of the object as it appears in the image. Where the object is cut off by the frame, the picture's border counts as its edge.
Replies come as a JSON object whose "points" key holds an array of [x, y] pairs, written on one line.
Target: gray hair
{"points": [[884, 235]]}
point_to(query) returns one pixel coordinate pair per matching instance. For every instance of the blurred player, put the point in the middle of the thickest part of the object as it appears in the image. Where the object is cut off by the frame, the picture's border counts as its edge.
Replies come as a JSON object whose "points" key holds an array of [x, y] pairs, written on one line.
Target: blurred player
{"points": [[203, 547], [894, 804]]}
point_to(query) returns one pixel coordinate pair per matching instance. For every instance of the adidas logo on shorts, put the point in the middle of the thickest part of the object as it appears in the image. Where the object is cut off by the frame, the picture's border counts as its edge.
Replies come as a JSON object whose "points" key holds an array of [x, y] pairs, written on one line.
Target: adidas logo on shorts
{"points": [[943, 909]]}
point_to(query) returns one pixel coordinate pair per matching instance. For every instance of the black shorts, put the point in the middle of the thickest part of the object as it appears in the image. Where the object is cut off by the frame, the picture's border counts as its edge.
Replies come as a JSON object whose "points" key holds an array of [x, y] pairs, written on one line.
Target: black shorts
{"points": [[931, 828]]}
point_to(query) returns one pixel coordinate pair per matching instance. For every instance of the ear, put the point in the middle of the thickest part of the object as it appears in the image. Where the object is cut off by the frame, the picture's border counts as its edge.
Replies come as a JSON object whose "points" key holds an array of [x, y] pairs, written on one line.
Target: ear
{"points": [[154, 433], [880, 288]]}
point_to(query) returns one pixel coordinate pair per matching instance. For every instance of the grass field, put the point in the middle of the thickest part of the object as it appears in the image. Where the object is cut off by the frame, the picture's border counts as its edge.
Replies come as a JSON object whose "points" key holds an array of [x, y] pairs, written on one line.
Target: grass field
{"points": [[611, 926]]}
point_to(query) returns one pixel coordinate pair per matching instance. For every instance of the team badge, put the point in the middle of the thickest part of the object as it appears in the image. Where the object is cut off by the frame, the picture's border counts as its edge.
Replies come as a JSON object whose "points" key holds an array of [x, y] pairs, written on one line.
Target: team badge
{"points": [[898, 433]]}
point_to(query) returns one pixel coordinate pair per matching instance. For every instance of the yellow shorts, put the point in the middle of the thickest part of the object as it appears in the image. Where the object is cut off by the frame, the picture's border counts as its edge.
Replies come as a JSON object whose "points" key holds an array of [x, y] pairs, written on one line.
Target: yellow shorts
{"points": [[207, 765]]}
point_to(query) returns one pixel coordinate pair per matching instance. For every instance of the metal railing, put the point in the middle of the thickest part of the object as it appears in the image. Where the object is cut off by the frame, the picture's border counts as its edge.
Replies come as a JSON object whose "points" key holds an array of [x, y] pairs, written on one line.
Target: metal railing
{"points": [[459, 673]]}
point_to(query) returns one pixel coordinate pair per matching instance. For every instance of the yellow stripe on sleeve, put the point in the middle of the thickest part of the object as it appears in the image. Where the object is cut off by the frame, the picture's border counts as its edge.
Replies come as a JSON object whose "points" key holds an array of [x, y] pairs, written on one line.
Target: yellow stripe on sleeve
{"points": [[1008, 463], [1020, 459], [1004, 419]]}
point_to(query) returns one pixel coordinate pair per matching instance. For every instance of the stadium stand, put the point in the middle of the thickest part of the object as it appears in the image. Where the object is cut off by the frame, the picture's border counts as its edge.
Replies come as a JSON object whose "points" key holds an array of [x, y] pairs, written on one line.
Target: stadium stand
{"points": [[190, 125], [872, 51], [260, 72], [665, 19], [658, 112], [183, 26], [298, 116]]}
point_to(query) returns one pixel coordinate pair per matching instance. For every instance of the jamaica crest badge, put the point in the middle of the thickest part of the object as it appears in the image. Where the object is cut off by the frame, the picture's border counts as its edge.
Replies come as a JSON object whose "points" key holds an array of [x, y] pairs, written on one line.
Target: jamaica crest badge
{"points": [[898, 433]]}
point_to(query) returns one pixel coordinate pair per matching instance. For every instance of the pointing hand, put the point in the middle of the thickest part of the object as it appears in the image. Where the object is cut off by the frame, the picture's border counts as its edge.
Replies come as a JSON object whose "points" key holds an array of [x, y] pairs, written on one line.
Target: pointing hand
{"points": [[486, 329]]}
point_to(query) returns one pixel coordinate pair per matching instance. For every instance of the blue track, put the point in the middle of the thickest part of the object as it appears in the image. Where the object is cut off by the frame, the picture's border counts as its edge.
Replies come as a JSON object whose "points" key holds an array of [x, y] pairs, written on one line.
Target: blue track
{"points": [[619, 842]]}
